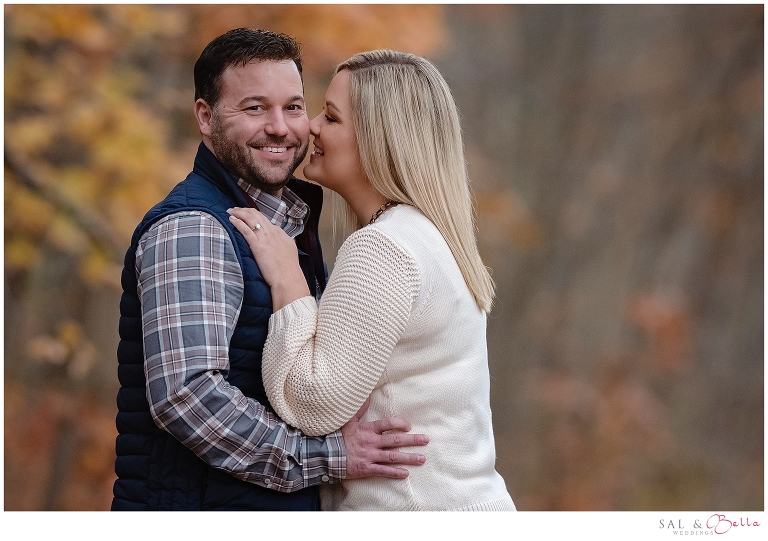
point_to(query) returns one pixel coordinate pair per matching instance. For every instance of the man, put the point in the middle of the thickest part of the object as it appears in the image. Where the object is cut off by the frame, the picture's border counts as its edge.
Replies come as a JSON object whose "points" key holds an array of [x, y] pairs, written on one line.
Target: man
{"points": [[195, 428]]}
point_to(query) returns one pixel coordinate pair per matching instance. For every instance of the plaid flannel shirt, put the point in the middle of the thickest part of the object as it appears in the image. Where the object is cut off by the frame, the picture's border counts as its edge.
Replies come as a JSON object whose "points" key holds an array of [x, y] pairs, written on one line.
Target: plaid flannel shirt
{"points": [[191, 291]]}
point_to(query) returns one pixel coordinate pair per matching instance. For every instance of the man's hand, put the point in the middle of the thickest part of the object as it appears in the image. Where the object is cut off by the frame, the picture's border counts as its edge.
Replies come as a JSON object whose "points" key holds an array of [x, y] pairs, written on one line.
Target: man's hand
{"points": [[370, 452]]}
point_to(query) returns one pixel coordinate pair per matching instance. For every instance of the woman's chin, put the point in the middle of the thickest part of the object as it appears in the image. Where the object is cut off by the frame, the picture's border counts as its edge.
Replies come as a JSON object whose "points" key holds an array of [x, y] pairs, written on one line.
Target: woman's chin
{"points": [[310, 172]]}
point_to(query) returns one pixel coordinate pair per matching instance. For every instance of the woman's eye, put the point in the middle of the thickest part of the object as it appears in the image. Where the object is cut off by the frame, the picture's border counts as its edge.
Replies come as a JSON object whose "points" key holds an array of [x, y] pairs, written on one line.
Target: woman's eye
{"points": [[329, 119]]}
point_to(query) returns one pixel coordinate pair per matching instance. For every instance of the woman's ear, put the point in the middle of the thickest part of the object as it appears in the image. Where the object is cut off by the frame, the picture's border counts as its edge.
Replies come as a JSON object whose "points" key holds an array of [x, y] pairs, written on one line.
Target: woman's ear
{"points": [[203, 114]]}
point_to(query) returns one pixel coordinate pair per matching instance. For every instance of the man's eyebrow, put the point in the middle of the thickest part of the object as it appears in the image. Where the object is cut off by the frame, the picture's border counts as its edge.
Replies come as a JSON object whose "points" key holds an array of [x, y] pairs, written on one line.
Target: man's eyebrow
{"points": [[293, 99]]}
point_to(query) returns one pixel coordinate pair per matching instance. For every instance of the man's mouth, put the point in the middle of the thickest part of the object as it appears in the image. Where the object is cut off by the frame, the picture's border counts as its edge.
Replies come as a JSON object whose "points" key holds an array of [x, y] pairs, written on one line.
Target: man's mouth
{"points": [[274, 150]]}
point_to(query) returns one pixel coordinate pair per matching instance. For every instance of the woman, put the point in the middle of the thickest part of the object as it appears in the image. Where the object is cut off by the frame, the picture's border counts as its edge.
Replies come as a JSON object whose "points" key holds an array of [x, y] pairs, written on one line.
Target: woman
{"points": [[404, 314]]}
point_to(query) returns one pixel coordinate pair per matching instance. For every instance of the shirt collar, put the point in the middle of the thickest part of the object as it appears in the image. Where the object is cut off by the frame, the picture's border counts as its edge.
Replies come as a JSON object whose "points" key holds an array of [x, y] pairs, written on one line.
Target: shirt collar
{"points": [[288, 211]]}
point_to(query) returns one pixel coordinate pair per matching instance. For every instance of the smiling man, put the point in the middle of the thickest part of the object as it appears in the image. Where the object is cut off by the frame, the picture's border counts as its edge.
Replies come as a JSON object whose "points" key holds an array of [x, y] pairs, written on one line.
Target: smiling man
{"points": [[196, 431]]}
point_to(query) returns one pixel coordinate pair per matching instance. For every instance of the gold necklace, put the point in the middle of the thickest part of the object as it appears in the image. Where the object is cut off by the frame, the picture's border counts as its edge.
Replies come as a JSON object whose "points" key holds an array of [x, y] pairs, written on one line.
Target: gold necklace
{"points": [[381, 210]]}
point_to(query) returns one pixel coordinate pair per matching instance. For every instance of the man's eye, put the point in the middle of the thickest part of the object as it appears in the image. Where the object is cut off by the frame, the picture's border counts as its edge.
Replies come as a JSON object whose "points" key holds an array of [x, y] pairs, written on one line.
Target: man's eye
{"points": [[295, 108]]}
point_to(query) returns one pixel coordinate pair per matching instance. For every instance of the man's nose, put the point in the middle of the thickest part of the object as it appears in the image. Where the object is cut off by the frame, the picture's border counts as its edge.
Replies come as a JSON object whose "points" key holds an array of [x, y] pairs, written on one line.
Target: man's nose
{"points": [[276, 124]]}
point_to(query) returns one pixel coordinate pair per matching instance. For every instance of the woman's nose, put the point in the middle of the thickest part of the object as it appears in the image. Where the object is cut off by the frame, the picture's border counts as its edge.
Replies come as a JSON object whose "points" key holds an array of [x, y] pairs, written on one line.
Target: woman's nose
{"points": [[314, 125]]}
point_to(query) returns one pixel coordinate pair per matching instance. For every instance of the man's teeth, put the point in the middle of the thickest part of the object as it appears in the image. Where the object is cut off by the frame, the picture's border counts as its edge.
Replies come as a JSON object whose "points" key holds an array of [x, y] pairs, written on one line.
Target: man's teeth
{"points": [[275, 149]]}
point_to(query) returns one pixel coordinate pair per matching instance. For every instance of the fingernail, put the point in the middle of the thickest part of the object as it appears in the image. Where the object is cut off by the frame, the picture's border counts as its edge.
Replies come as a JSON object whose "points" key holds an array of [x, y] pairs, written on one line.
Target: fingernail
{"points": [[230, 210]]}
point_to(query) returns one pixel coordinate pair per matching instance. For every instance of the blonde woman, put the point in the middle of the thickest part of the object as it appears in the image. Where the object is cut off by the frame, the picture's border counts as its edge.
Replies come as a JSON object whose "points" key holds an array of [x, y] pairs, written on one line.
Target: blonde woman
{"points": [[403, 318]]}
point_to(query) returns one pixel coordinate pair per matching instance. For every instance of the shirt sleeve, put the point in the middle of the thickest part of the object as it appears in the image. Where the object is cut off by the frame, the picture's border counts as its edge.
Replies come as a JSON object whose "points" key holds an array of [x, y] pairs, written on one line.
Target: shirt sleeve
{"points": [[321, 362], [191, 290]]}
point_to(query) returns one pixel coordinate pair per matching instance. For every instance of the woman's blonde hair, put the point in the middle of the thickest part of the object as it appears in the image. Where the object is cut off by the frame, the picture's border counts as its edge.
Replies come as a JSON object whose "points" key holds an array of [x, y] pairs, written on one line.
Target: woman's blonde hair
{"points": [[411, 150]]}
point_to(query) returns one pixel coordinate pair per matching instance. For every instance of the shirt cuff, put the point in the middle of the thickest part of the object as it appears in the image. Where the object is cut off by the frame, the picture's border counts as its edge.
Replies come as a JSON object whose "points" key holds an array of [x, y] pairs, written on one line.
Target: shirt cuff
{"points": [[326, 459], [299, 307]]}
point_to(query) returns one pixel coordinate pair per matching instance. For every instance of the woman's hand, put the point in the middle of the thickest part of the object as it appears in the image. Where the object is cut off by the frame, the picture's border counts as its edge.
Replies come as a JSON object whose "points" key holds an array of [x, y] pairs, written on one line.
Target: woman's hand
{"points": [[275, 253]]}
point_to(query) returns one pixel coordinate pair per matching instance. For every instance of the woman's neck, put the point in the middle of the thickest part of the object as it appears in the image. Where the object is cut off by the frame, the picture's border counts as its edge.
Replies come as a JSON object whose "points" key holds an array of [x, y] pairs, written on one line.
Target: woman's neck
{"points": [[364, 202]]}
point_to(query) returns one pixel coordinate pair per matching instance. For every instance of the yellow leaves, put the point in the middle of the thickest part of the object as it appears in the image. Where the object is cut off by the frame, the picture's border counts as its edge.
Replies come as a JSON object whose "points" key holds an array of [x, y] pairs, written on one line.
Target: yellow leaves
{"points": [[68, 347], [63, 234], [31, 135], [21, 254], [84, 104], [24, 210], [46, 23], [31, 84], [95, 29], [98, 269]]}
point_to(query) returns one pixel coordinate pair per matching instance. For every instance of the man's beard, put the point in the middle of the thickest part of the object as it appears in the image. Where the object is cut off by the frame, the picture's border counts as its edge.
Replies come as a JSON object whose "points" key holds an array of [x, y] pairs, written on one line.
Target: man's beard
{"points": [[239, 160]]}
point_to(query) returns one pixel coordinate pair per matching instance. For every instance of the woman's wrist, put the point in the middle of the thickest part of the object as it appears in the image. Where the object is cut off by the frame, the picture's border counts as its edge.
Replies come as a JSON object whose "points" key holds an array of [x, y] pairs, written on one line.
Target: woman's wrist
{"points": [[290, 287]]}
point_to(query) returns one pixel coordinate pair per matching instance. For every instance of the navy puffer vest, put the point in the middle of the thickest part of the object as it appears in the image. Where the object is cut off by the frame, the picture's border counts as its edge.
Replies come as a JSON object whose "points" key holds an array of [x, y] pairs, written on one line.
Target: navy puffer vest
{"points": [[155, 471]]}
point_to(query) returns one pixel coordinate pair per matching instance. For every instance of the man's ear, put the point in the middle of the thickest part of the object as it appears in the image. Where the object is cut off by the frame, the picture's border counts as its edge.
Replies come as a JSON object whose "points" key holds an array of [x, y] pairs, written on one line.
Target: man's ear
{"points": [[203, 114]]}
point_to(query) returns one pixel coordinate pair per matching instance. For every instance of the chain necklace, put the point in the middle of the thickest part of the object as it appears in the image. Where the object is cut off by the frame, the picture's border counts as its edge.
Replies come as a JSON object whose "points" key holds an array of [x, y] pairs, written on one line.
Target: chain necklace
{"points": [[381, 210]]}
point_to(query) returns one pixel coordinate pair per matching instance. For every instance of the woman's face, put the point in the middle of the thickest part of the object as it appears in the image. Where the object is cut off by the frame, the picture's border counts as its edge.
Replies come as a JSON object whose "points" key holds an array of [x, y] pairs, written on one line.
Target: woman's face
{"points": [[335, 161]]}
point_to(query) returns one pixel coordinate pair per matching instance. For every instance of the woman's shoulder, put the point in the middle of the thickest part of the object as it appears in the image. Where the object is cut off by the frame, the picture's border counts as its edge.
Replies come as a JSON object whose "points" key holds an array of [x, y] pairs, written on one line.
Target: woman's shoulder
{"points": [[410, 228], [373, 237], [386, 239], [405, 224]]}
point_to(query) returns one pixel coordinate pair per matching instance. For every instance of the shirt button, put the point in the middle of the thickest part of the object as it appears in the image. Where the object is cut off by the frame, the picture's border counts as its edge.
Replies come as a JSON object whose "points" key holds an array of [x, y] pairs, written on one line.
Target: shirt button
{"points": [[267, 481], [325, 478]]}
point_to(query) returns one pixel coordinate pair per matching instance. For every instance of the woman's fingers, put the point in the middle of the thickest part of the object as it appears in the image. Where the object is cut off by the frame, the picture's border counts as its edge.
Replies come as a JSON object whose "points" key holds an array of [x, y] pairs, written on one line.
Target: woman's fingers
{"points": [[252, 218], [250, 221], [241, 226]]}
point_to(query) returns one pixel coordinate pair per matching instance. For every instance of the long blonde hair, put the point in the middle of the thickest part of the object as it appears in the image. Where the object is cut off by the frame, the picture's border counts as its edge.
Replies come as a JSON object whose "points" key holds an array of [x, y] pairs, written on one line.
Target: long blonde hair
{"points": [[411, 150]]}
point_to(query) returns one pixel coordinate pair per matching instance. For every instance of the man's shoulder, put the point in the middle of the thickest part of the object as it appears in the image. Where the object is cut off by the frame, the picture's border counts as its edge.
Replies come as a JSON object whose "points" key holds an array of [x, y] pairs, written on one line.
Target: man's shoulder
{"points": [[194, 192]]}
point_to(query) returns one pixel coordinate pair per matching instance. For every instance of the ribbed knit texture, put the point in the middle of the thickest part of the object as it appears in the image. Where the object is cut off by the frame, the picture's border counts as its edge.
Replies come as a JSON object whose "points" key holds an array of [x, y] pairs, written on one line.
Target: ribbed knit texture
{"points": [[396, 322]]}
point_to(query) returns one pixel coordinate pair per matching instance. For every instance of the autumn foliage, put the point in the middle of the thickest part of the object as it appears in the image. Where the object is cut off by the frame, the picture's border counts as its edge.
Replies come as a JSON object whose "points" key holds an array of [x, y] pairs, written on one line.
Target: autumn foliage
{"points": [[616, 155]]}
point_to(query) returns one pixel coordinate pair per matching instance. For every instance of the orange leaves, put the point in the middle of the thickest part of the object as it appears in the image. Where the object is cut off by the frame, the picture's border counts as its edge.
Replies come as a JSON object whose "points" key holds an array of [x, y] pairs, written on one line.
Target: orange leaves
{"points": [[597, 433], [504, 219], [330, 34], [59, 451], [666, 324]]}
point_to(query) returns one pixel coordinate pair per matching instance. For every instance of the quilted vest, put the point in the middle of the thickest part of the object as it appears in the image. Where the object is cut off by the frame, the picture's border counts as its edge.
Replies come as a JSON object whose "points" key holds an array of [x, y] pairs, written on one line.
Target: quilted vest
{"points": [[155, 471]]}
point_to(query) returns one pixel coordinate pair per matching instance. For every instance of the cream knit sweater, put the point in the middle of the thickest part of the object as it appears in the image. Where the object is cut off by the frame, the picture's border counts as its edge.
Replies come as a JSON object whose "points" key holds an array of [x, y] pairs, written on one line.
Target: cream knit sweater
{"points": [[396, 322]]}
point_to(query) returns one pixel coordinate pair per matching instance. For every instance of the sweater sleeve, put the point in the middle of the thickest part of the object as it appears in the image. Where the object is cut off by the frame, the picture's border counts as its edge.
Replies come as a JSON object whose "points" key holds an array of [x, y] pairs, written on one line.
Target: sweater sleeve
{"points": [[321, 362]]}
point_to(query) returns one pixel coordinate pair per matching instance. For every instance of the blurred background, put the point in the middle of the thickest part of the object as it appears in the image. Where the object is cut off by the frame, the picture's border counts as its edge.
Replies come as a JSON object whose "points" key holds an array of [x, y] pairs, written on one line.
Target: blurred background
{"points": [[616, 154]]}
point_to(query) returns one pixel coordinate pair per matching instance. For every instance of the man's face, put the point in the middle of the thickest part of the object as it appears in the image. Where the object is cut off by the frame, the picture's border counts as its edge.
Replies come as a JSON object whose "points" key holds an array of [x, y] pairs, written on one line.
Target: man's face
{"points": [[259, 128]]}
